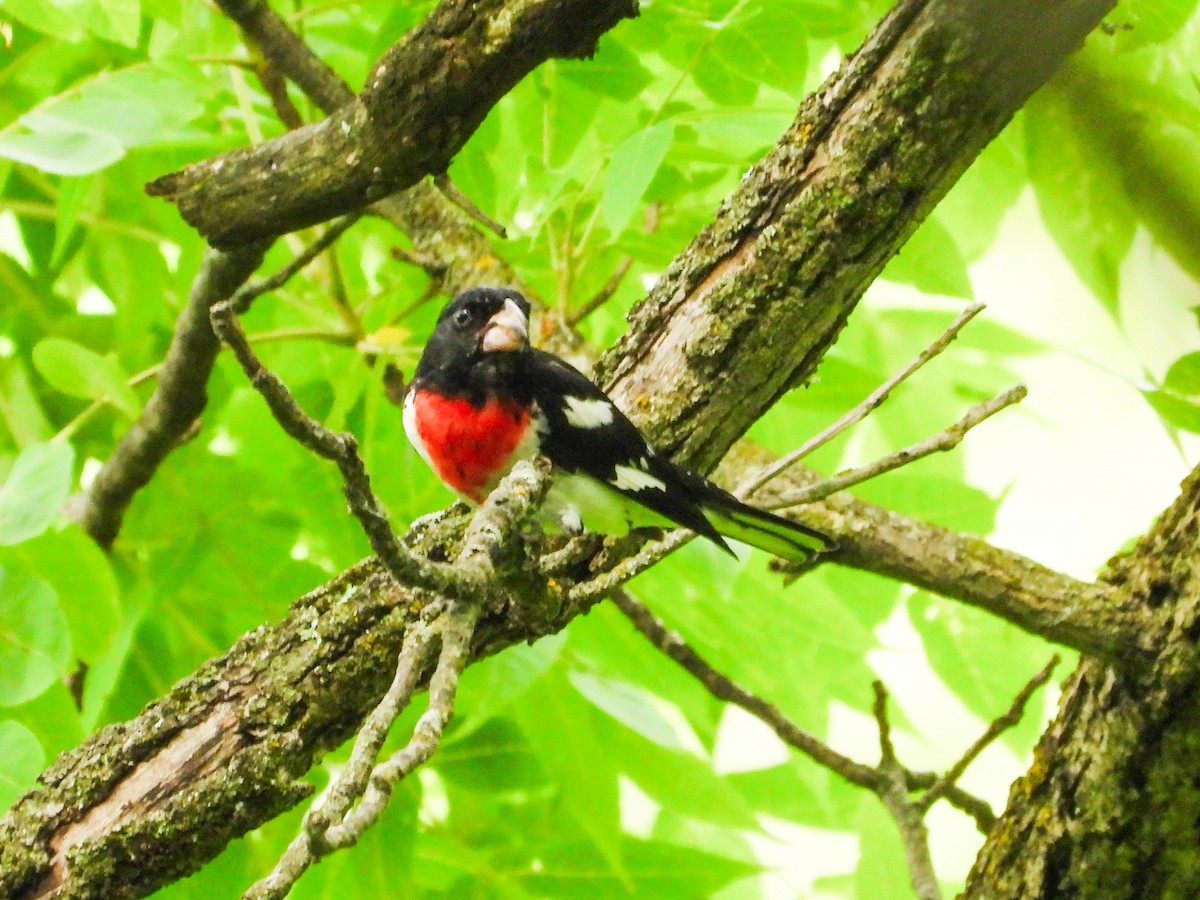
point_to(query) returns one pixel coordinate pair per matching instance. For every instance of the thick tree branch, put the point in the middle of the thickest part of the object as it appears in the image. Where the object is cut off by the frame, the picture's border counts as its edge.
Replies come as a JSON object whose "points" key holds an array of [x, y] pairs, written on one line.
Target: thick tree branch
{"points": [[1109, 807], [422, 100], [460, 257]]}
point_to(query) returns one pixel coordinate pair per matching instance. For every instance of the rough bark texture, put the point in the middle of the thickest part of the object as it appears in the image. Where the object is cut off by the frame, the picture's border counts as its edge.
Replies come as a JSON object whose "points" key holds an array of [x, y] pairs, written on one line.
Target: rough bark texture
{"points": [[813, 223], [440, 232], [1111, 805], [738, 319], [422, 100]]}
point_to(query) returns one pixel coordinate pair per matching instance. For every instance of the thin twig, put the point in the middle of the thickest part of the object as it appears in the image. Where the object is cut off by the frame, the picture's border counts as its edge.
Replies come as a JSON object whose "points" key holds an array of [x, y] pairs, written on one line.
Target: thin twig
{"points": [[724, 688], [1009, 719], [275, 84], [247, 294], [943, 440], [341, 449], [361, 792], [870, 403], [588, 592], [427, 734], [467, 205], [887, 752], [309, 845], [603, 295], [964, 801], [909, 818]]}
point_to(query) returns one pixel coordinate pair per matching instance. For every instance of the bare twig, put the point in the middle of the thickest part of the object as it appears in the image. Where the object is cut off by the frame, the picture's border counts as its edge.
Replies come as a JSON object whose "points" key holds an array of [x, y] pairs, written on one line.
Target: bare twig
{"points": [[306, 847], [891, 781], [467, 205], [909, 819], [360, 794], [964, 801], [248, 293], [427, 734], [603, 295], [724, 688], [341, 449], [943, 440], [1008, 720], [870, 403], [275, 84], [887, 752], [589, 592]]}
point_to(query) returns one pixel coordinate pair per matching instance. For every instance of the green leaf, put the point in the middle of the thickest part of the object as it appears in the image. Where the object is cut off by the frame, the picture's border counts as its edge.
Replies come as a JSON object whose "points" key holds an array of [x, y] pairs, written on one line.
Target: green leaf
{"points": [[881, 865], [35, 645], [46, 17], [19, 407], [975, 206], [80, 573], [614, 71], [654, 869], [981, 660], [647, 714], [930, 261], [1184, 375], [61, 153], [1177, 402], [489, 687], [1180, 412], [35, 491], [494, 757], [631, 168], [769, 41], [21, 759], [558, 728], [72, 192], [1083, 205], [80, 372], [92, 125], [1144, 22], [117, 20]]}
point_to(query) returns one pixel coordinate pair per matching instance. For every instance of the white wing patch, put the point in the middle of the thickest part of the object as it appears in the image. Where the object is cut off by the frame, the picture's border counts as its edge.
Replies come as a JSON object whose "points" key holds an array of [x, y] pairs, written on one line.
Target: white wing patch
{"points": [[629, 478], [588, 413]]}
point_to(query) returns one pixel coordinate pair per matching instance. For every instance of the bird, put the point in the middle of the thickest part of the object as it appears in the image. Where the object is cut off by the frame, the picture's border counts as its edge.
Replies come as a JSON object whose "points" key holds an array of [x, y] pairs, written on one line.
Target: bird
{"points": [[482, 398]]}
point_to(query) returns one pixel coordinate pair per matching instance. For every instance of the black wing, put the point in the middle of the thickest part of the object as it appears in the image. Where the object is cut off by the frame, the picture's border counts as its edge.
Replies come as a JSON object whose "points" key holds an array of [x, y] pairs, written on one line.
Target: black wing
{"points": [[587, 433]]}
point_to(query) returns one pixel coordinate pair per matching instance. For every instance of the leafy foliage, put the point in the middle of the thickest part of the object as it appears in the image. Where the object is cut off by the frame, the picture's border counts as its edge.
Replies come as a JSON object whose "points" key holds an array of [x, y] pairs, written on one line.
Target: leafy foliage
{"points": [[585, 765]]}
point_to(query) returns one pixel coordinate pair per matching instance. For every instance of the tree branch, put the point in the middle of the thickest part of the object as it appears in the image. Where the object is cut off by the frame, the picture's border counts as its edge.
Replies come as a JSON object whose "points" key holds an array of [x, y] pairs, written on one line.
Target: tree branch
{"points": [[869, 404], [892, 790], [422, 100]]}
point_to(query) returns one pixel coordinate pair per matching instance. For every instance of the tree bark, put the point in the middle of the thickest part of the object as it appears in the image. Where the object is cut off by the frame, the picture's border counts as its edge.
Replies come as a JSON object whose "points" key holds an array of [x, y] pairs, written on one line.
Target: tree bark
{"points": [[1110, 806], [422, 100], [738, 319]]}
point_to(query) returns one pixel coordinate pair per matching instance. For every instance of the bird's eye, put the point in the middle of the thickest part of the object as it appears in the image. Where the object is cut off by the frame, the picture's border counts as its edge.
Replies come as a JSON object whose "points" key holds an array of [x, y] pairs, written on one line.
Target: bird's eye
{"points": [[462, 318]]}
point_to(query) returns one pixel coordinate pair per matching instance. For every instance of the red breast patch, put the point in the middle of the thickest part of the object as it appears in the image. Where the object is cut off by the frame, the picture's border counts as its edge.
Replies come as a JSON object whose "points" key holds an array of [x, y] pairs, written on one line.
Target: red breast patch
{"points": [[470, 447]]}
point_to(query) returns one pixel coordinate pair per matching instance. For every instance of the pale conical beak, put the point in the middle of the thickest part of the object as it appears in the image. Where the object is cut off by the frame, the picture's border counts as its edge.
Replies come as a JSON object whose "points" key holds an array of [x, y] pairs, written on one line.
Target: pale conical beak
{"points": [[506, 330]]}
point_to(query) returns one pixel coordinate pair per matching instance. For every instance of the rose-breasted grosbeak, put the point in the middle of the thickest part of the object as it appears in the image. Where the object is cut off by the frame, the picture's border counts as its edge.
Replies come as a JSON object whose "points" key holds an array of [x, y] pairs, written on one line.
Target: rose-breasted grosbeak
{"points": [[482, 398]]}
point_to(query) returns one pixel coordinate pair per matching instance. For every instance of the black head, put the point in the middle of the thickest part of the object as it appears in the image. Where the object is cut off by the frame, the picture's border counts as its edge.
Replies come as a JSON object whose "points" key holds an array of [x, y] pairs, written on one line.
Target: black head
{"points": [[482, 333]]}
